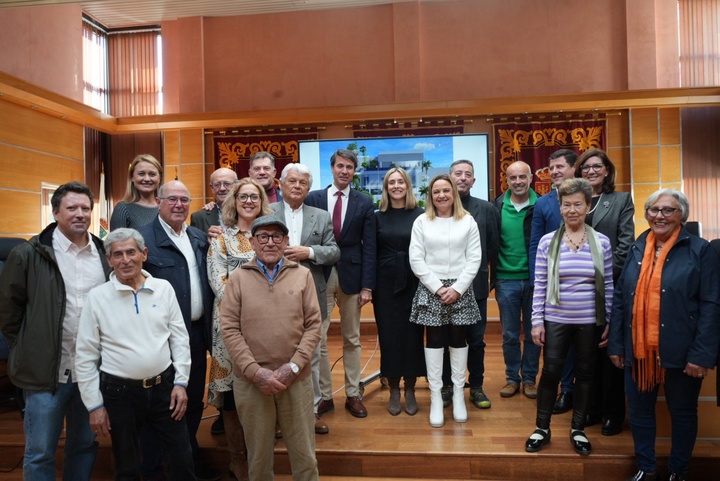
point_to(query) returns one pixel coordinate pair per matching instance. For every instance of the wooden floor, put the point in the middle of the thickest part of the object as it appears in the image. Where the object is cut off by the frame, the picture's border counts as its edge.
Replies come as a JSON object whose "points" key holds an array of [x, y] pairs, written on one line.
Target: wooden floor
{"points": [[490, 446]]}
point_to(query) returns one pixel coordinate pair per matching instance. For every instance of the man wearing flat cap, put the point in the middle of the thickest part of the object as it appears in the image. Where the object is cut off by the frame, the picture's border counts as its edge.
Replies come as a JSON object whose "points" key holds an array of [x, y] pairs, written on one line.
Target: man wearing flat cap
{"points": [[271, 325]]}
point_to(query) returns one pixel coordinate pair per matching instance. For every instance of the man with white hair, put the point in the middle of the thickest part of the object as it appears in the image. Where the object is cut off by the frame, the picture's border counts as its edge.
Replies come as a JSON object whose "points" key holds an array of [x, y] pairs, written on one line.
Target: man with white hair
{"points": [[311, 243], [133, 360]]}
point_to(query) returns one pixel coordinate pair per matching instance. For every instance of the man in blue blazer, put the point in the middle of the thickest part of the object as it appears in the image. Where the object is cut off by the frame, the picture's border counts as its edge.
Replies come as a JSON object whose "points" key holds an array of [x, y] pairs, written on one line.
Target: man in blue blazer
{"points": [[178, 254], [351, 281], [546, 219]]}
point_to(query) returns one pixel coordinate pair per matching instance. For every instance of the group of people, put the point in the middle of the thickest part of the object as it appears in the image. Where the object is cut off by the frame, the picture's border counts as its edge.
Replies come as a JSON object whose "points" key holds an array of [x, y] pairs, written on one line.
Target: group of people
{"points": [[111, 338]]}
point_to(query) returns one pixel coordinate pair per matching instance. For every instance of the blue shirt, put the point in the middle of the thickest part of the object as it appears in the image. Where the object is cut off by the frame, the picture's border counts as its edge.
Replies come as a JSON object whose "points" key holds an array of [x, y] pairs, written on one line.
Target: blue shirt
{"points": [[270, 275]]}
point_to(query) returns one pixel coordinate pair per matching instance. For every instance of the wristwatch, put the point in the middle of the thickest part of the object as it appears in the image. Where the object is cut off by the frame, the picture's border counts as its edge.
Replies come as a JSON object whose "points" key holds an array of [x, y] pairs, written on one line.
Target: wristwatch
{"points": [[294, 367]]}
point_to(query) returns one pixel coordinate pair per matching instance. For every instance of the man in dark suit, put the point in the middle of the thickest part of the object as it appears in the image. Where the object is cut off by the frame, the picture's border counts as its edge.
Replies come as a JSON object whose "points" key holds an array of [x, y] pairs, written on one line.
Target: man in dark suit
{"points": [[351, 281], [546, 219], [209, 218], [178, 253], [311, 243], [486, 217]]}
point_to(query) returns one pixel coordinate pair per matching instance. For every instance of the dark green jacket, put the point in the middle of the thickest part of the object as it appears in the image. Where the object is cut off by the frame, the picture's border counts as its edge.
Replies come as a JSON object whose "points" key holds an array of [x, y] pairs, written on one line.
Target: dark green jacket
{"points": [[32, 309]]}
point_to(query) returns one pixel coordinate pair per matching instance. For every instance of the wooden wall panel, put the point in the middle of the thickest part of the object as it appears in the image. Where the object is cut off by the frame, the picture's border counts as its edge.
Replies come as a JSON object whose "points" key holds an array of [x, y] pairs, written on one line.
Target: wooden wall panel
{"points": [[644, 126], [618, 129], [171, 148], [670, 164], [25, 169], [24, 127], [670, 126], [24, 219], [645, 164], [34, 148], [620, 156], [192, 176]]}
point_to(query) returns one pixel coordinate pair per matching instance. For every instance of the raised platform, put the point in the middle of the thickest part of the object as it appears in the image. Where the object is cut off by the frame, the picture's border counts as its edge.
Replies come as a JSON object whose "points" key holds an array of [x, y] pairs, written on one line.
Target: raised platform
{"points": [[490, 446]]}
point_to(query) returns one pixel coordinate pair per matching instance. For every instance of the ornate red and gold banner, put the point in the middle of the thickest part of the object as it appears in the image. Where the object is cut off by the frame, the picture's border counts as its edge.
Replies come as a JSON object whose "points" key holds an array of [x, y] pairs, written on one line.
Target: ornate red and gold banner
{"points": [[533, 139], [233, 149]]}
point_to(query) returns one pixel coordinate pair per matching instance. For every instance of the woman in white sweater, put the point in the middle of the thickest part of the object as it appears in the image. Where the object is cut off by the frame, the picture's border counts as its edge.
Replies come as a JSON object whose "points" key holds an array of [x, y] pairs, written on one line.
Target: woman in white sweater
{"points": [[445, 255]]}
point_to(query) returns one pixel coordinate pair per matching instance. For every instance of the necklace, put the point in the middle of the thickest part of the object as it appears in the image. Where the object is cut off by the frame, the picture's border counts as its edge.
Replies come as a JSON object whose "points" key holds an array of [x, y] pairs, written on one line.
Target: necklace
{"points": [[579, 244], [598, 203]]}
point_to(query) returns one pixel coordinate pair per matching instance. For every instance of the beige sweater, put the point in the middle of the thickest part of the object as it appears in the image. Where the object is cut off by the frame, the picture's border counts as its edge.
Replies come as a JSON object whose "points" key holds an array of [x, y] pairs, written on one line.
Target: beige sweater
{"points": [[268, 325]]}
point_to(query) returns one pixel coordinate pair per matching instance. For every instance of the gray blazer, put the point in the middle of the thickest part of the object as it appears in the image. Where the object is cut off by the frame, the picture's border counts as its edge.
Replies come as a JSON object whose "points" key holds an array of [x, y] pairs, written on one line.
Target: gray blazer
{"points": [[613, 217], [317, 233]]}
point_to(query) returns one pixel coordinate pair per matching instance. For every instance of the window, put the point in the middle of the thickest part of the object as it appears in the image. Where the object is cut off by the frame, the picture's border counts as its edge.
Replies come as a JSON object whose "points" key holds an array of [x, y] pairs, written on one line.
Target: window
{"points": [[135, 59], [95, 66], [699, 43]]}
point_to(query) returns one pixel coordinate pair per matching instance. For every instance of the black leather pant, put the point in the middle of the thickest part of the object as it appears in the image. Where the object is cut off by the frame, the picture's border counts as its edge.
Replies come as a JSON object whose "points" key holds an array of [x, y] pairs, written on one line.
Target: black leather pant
{"points": [[558, 338]]}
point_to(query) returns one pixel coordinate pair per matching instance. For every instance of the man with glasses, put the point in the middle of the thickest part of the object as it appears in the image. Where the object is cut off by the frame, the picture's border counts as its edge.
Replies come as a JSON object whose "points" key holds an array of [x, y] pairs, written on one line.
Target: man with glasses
{"points": [[178, 254], [512, 284], [209, 218], [270, 320], [262, 169]]}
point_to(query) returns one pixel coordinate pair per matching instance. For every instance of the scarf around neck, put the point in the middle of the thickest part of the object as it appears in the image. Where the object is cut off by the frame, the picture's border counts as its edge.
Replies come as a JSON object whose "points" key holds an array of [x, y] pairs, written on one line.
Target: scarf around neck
{"points": [[647, 372], [552, 295]]}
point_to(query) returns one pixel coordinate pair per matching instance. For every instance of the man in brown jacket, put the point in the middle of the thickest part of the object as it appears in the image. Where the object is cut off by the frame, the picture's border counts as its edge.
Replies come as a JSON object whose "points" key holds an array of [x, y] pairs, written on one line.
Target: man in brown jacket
{"points": [[271, 325]]}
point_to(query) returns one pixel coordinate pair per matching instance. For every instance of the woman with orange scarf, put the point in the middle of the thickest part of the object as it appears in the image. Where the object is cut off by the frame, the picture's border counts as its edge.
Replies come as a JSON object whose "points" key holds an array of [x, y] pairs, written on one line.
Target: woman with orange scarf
{"points": [[665, 329]]}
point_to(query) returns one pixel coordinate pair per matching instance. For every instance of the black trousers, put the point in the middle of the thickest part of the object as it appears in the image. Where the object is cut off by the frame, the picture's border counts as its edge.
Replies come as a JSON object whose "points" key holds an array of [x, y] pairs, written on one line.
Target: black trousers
{"points": [[151, 454], [132, 407], [558, 338]]}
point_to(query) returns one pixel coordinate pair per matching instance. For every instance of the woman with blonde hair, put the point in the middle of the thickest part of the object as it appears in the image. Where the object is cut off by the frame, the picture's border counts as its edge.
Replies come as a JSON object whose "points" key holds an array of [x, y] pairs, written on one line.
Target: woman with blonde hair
{"points": [[139, 206], [401, 342], [445, 254], [246, 202]]}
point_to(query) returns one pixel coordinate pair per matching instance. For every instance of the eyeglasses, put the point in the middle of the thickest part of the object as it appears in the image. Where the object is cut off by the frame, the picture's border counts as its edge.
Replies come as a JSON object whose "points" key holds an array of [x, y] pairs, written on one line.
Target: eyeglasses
{"points": [[254, 198], [666, 211], [264, 238], [174, 200], [217, 185], [594, 167]]}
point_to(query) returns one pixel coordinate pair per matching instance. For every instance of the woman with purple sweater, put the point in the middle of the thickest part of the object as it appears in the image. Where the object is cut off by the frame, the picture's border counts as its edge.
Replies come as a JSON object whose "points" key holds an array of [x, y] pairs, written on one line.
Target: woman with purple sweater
{"points": [[572, 298]]}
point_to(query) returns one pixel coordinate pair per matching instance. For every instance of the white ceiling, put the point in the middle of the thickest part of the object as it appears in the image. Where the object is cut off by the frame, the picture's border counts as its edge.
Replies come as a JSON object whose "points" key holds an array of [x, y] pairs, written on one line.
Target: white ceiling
{"points": [[124, 13]]}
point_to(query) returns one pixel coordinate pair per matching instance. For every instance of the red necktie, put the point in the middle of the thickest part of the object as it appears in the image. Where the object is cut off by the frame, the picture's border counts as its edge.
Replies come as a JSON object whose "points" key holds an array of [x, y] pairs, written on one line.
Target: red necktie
{"points": [[337, 216]]}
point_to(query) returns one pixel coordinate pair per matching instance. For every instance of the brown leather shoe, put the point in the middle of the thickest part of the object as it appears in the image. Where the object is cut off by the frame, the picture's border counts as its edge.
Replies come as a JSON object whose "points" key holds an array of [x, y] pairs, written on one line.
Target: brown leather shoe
{"points": [[355, 406], [320, 426], [325, 406]]}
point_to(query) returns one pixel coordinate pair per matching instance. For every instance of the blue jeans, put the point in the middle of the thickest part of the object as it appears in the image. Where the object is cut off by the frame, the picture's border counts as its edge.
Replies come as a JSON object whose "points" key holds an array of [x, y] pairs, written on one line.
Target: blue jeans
{"points": [[45, 413], [681, 395], [514, 299]]}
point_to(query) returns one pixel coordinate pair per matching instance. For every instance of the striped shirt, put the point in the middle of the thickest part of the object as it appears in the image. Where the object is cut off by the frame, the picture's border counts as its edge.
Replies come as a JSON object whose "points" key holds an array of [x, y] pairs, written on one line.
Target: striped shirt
{"points": [[576, 284]]}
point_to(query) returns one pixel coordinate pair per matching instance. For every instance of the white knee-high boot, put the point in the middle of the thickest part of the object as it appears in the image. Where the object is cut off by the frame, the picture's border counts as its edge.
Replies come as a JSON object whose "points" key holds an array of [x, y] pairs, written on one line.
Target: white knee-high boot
{"points": [[458, 365], [434, 364]]}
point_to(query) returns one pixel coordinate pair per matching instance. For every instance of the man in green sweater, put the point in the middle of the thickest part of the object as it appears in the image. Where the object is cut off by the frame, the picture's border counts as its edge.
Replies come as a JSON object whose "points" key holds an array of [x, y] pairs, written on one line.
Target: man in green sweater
{"points": [[513, 289]]}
